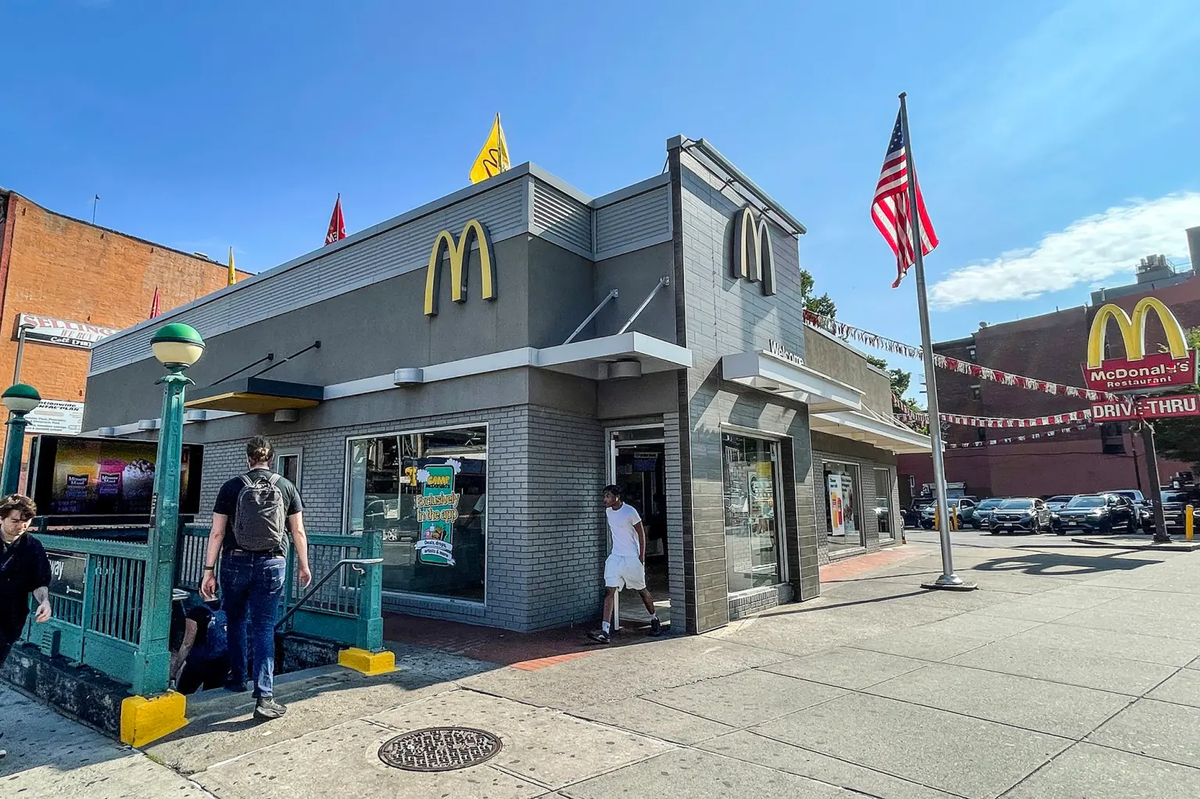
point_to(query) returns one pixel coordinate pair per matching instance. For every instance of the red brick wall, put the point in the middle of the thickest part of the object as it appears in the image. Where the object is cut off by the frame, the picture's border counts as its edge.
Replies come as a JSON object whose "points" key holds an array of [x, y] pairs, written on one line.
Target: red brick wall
{"points": [[67, 269], [1048, 347]]}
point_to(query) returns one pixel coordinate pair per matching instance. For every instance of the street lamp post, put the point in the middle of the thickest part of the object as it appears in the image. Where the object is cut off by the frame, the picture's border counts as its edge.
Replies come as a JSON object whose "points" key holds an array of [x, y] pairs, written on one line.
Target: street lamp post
{"points": [[20, 399], [177, 347]]}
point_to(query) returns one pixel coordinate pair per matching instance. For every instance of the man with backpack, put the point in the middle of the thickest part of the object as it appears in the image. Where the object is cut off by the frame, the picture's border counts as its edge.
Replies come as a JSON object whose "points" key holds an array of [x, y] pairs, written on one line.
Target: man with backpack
{"points": [[250, 524]]}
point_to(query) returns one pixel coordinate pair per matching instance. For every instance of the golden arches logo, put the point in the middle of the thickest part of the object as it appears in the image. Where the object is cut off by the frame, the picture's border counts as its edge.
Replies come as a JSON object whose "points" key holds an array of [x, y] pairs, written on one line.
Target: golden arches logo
{"points": [[753, 252], [1133, 331], [459, 251]]}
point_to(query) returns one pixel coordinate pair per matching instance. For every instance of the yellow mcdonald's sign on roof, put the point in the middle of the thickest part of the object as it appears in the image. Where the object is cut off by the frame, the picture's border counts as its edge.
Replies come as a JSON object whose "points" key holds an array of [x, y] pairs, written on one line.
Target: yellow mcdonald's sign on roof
{"points": [[753, 253], [459, 252], [1133, 331]]}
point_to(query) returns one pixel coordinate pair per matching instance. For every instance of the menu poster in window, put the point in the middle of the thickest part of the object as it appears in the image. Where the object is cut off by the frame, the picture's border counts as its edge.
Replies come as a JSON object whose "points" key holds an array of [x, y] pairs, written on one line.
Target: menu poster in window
{"points": [[437, 510], [837, 513]]}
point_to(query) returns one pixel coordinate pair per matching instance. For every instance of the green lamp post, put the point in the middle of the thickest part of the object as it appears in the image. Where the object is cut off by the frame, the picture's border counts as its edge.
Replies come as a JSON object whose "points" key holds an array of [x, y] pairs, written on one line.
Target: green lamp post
{"points": [[177, 347], [20, 400]]}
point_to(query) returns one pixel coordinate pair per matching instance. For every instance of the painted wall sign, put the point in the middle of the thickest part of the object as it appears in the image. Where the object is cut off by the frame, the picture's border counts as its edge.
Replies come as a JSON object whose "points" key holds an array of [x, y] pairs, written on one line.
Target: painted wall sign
{"points": [[60, 332], [56, 417], [1147, 408], [753, 252], [1137, 371], [460, 253]]}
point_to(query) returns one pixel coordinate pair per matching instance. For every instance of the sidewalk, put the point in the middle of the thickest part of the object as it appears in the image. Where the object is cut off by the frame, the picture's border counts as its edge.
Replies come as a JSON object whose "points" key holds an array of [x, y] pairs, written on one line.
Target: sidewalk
{"points": [[1072, 672]]}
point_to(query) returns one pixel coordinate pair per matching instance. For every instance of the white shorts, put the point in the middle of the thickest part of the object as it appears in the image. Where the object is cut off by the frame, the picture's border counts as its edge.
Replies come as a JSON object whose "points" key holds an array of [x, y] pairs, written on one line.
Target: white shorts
{"points": [[624, 572]]}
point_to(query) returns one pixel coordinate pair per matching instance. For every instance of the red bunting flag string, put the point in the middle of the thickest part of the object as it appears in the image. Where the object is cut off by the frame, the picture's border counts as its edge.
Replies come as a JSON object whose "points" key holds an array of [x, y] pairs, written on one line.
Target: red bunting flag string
{"points": [[911, 416], [851, 333], [1019, 439]]}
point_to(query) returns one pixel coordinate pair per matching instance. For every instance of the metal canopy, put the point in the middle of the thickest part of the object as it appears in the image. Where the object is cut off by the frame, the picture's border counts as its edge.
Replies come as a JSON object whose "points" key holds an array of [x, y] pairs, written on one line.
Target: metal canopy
{"points": [[767, 372], [865, 427], [255, 395]]}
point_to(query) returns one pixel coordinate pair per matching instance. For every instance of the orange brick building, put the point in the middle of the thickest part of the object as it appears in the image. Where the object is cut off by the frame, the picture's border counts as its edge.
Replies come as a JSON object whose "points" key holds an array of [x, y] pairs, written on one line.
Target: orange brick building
{"points": [[55, 269]]}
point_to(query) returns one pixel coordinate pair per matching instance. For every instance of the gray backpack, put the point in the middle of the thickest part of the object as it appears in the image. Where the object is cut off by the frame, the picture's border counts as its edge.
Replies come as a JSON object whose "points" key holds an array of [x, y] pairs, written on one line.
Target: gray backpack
{"points": [[261, 521]]}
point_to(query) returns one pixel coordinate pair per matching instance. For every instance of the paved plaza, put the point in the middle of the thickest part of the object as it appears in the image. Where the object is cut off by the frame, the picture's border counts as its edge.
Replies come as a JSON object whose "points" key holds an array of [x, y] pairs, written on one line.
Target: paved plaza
{"points": [[1073, 672]]}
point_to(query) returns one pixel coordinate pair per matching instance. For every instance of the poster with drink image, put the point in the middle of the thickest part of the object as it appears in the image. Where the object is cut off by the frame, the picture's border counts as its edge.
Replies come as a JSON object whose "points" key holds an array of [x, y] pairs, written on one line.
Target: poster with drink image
{"points": [[105, 477]]}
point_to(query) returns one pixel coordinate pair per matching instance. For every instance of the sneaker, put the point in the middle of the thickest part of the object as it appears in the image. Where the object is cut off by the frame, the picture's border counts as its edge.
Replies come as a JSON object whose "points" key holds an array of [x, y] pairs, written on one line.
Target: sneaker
{"points": [[599, 636], [267, 708], [235, 687], [655, 626]]}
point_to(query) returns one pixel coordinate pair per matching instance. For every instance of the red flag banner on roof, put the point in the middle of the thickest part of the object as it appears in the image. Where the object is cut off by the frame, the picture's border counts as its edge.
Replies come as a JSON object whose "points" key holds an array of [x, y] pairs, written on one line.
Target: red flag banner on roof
{"points": [[337, 225]]}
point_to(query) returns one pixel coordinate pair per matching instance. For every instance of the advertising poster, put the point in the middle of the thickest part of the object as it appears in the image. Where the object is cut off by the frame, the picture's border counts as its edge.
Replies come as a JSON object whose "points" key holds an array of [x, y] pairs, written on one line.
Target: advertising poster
{"points": [[437, 510], [106, 477], [837, 514], [56, 417]]}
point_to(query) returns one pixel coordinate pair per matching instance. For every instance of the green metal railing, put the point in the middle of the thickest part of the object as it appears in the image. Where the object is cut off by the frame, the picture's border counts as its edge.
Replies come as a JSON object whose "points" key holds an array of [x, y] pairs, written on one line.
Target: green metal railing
{"points": [[98, 598], [346, 609]]}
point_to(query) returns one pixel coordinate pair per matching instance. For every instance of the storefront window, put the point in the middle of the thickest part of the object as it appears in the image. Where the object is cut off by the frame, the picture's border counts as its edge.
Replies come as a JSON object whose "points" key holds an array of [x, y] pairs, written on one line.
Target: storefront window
{"points": [[843, 516], [751, 516], [883, 502], [427, 494]]}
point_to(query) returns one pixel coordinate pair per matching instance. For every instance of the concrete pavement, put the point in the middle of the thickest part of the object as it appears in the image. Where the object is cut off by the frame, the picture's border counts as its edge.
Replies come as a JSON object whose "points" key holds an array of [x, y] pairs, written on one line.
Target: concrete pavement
{"points": [[1073, 672]]}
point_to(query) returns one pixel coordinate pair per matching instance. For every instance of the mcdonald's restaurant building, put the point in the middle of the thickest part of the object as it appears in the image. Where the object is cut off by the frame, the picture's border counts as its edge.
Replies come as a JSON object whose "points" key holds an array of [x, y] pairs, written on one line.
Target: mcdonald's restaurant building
{"points": [[466, 377]]}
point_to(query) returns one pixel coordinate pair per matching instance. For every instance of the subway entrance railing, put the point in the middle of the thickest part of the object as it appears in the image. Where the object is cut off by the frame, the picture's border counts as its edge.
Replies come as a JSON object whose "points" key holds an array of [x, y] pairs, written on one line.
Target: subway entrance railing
{"points": [[104, 617]]}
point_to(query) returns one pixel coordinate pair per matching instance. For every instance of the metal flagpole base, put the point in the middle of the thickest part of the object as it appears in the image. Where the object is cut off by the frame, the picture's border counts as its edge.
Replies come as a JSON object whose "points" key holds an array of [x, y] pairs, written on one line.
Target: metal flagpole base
{"points": [[949, 582]]}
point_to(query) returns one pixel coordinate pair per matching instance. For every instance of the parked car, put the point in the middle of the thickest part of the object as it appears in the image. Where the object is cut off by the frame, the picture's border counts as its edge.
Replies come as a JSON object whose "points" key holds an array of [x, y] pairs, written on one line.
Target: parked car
{"points": [[1059, 502], [912, 514], [1174, 504], [980, 516], [1020, 514], [959, 506], [1145, 507], [1098, 513]]}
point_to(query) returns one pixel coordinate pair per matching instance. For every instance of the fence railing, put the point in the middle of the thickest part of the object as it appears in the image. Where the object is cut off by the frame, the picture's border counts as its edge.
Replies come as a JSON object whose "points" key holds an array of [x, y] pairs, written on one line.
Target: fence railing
{"points": [[97, 595], [347, 609]]}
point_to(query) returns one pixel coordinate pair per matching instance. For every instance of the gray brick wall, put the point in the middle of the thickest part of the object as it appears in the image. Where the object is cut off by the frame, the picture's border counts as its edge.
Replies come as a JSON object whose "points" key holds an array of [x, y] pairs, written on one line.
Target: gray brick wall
{"points": [[544, 529], [721, 316]]}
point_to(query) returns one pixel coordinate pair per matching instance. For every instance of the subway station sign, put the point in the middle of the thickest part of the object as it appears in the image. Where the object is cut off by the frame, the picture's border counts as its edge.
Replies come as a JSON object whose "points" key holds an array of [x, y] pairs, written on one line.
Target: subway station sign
{"points": [[1138, 372]]}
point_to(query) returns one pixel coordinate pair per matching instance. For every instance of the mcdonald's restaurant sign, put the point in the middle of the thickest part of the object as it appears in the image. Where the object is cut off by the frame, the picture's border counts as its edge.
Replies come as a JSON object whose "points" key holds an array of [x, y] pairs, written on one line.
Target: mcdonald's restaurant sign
{"points": [[753, 254], [1138, 371], [459, 252]]}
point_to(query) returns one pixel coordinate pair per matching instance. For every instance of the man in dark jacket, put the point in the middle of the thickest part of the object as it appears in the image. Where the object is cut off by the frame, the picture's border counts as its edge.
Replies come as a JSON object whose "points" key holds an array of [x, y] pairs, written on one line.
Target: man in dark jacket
{"points": [[24, 570]]}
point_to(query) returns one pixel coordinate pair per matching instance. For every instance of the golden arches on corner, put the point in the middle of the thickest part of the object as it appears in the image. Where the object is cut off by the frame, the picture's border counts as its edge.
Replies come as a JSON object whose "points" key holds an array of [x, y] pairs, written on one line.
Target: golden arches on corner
{"points": [[1133, 330], [459, 251], [753, 252]]}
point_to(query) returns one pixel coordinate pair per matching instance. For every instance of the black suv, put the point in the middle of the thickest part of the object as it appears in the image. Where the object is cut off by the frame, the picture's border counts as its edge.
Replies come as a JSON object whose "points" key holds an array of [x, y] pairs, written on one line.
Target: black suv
{"points": [[1099, 513]]}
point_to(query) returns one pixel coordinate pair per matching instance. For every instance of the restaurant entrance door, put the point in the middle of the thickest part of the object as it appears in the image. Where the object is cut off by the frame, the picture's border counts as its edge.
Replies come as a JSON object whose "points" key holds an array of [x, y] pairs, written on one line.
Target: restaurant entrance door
{"points": [[636, 466]]}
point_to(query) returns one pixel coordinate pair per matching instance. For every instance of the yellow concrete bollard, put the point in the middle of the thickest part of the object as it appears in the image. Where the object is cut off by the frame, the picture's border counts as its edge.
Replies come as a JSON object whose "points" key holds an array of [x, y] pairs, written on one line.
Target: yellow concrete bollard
{"points": [[1188, 522]]}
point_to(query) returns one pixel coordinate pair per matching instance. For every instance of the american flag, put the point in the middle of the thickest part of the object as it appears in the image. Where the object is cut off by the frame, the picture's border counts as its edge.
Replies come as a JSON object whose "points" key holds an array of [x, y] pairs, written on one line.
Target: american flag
{"points": [[890, 209]]}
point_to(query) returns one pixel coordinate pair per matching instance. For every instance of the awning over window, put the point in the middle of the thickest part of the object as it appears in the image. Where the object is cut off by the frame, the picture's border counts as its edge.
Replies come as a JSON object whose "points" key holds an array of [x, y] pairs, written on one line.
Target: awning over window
{"points": [[254, 395], [870, 428], [787, 378]]}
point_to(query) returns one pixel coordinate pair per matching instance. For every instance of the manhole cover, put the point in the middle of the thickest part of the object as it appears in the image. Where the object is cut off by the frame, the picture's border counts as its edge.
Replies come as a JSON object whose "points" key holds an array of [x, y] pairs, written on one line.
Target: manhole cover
{"points": [[439, 749]]}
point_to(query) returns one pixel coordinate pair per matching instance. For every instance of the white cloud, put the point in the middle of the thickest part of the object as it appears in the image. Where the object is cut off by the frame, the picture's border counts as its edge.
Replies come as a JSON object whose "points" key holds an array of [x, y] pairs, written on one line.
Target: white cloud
{"points": [[1088, 250]]}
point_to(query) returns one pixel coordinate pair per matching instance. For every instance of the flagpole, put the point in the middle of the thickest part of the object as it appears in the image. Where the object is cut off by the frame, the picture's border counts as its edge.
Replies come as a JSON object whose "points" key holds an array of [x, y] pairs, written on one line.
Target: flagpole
{"points": [[948, 579]]}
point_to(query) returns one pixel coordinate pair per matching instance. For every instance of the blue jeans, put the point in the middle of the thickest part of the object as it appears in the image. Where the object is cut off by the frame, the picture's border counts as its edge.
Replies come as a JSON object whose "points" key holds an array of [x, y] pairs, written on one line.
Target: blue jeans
{"points": [[252, 584]]}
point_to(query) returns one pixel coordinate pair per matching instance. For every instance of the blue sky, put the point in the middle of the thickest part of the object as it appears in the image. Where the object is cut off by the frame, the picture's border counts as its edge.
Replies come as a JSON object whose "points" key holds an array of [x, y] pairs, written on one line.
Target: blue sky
{"points": [[1055, 142]]}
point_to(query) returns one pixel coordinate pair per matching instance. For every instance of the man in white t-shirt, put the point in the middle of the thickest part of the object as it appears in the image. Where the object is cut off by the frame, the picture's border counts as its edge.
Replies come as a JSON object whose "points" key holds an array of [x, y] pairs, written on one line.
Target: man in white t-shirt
{"points": [[625, 566]]}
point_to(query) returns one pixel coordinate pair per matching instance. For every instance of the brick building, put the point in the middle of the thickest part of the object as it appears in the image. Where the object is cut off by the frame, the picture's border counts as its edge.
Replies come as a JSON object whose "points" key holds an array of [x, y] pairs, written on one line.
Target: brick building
{"points": [[1051, 347], [652, 337], [75, 281]]}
